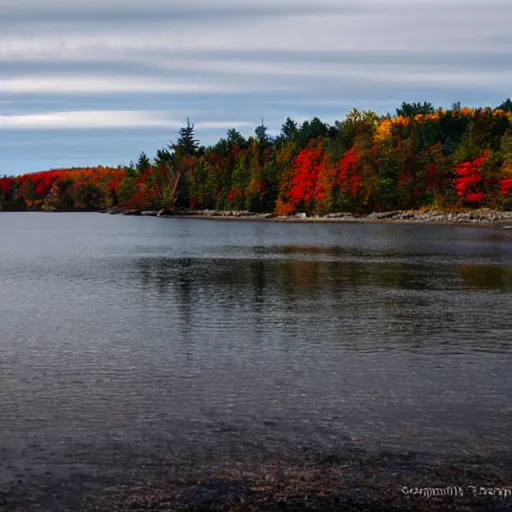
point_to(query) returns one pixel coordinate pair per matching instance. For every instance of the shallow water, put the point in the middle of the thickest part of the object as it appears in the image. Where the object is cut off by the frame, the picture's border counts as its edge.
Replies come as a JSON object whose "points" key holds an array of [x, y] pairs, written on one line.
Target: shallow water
{"points": [[203, 338]]}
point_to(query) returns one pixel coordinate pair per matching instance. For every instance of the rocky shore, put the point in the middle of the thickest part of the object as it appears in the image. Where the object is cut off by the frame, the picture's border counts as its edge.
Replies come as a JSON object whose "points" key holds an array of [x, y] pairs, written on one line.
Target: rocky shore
{"points": [[355, 481], [481, 216]]}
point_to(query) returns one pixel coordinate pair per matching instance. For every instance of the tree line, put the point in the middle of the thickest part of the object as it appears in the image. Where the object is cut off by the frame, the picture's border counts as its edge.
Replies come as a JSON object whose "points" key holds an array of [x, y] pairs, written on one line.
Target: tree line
{"points": [[419, 157]]}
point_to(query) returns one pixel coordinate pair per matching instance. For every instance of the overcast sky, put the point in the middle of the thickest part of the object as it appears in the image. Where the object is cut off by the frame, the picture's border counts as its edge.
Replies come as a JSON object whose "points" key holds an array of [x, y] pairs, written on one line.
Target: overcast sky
{"points": [[89, 82]]}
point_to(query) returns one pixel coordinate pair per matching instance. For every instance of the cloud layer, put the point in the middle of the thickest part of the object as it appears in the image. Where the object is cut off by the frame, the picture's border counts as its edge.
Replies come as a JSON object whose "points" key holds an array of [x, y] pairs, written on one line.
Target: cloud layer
{"points": [[104, 119], [103, 65]]}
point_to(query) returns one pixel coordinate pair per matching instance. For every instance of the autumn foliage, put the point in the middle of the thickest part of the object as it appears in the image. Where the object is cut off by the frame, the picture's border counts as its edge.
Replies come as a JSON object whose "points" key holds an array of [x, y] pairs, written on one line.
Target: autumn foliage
{"points": [[470, 181], [63, 189], [420, 157]]}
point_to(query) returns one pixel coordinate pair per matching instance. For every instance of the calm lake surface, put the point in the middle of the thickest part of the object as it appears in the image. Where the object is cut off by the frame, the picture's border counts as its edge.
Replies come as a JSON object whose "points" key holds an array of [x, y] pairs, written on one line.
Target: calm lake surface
{"points": [[199, 339]]}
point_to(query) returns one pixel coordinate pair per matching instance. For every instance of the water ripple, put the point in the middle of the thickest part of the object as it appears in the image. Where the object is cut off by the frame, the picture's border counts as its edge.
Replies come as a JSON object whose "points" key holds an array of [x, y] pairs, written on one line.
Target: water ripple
{"points": [[195, 333]]}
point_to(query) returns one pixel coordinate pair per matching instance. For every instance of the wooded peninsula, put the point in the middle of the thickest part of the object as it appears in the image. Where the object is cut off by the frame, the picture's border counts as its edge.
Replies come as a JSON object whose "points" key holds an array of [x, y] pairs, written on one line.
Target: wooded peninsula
{"points": [[421, 157]]}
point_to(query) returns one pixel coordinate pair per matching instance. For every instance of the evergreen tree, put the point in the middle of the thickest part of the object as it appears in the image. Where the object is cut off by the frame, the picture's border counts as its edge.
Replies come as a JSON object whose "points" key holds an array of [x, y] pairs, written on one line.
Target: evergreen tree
{"points": [[163, 157], [506, 106], [236, 140], [414, 109], [457, 106], [289, 129], [186, 144], [143, 163], [261, 132]]}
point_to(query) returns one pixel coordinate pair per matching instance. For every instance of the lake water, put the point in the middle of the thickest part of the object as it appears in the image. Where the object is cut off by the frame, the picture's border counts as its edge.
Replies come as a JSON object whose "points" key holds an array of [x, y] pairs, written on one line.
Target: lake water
{"points": [[200, 340]]}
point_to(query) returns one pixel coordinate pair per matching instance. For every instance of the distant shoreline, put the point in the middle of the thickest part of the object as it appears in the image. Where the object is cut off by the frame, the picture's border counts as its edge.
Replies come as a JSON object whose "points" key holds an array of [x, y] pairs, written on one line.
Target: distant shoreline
{"points": [[489, 218], [312, 220]]}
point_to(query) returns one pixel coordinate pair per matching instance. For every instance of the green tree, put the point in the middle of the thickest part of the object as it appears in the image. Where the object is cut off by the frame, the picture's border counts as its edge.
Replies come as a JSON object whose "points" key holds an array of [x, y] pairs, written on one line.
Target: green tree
{"points": [[236, 140], [163, 157], [506, 106], [143, 163], [261, 132], [186, 143], [289, 129], [414, 109], [240, 181]]}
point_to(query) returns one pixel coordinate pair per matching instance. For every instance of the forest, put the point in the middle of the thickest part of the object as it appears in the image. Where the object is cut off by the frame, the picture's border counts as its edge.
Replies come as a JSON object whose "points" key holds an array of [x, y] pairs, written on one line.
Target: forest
{"points": [[420, 157]]}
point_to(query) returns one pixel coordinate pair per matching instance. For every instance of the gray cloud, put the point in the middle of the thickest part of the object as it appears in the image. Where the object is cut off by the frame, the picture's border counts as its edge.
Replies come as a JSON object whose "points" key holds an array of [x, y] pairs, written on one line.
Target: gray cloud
{"points": [[29, 11], [228, 61], [120, 119]]}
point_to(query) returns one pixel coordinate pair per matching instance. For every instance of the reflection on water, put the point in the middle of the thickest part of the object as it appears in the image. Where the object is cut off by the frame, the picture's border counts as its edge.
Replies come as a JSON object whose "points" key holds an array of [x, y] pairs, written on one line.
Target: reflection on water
{"points": [[480, 276], [233, 336], [393, 301]]}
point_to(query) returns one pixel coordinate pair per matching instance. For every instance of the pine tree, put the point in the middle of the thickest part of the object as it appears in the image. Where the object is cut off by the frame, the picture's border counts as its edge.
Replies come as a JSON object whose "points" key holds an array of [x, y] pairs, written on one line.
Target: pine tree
{"points": [[413, 109], [506, 105], [236, 139], [163, 157], [186, 144], [143, 163], [289, 129], [261, 132]]}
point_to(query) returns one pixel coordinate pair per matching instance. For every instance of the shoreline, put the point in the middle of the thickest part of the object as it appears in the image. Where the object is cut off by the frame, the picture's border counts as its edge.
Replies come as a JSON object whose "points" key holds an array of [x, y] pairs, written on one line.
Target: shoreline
{"points": [[477, 218], [353, 480], [506, 225]]}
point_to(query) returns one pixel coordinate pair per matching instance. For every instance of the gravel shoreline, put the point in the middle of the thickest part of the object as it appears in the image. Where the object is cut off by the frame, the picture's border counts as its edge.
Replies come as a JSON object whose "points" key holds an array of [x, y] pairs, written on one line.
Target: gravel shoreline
{"points": [[351, 482], [469, 217]]}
